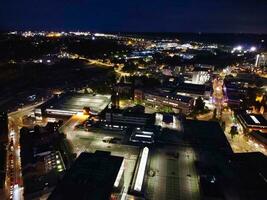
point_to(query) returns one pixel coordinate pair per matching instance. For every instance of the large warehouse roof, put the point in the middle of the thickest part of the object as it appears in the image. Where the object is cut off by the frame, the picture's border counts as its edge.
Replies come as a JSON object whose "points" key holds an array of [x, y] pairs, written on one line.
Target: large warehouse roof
{"points": [[92, 176], [75, 102]]}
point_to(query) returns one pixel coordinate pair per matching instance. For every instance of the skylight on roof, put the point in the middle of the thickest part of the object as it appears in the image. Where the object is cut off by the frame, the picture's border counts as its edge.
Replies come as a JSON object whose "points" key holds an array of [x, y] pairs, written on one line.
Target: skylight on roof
{"points": [[255, 119]]}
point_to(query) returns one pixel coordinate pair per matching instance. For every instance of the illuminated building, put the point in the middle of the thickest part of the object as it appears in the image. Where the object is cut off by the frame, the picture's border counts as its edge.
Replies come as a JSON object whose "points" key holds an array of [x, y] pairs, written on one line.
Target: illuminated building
{"points": [[194, 90], [143, 135], [160, 98], [41, 160], [54, 161], [253, 122], [200, 77], [124, 117], [68, 104], [170, 121], [167, 45], [261, 60], [218, 94], [53, 34]]}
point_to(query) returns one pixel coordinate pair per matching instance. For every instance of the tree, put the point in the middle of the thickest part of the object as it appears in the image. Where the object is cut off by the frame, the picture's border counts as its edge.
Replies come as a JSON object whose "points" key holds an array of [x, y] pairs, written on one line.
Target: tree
{"points": [[199, 105], [167, 109], [233, 131]]}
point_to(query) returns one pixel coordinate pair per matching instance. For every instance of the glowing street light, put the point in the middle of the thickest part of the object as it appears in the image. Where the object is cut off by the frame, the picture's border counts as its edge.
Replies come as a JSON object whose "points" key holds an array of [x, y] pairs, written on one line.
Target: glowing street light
{"points": [[252, 49], [239, 48]]}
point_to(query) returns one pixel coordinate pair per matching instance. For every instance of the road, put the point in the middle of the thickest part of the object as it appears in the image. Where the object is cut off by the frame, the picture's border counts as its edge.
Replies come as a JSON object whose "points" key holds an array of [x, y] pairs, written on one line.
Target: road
{"points": [[239, 143], [14, 186], [118, 70]]}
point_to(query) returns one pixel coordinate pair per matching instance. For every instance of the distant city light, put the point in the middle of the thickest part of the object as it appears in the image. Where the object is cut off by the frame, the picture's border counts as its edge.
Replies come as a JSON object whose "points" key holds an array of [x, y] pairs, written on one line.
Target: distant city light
{"points": [[53, 34], [253, 49], [239, 48]]}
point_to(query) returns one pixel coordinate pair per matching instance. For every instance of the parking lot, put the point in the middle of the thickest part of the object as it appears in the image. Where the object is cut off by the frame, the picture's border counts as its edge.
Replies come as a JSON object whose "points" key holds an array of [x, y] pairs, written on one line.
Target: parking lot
{"points": [[174, 175], [171, 172], [94, 140]]}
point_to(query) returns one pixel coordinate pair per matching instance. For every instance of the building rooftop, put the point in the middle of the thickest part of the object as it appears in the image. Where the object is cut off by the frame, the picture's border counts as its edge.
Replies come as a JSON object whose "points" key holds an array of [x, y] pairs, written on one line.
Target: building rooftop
{"points": [[192, 88], [92, 176], [75, 102], [253, 119], [207, 135], [171, 95], [127, 113], [251, 174]]}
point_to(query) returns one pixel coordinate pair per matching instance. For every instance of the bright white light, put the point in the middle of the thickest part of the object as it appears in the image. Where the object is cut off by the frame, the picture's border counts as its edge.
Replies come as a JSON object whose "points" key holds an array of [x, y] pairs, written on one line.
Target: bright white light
{"points": [[16, 192], [253, 49], [143, 136], [147, 133], [80, 114], [141, 171], [255, 119], [239, 48], [117, 181]]}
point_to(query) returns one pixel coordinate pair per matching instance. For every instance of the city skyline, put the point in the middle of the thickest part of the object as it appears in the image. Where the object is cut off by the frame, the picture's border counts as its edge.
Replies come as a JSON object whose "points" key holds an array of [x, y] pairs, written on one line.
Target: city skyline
{"points": [[119, 100]]}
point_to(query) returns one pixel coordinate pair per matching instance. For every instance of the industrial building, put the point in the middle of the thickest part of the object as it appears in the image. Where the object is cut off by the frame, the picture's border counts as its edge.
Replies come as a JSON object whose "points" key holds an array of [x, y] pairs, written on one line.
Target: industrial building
{"points": [[194, 90], [124, 117], [68, 104], [93, 176], [261, 60], [160, 98], [143, 135], [252, 122]]}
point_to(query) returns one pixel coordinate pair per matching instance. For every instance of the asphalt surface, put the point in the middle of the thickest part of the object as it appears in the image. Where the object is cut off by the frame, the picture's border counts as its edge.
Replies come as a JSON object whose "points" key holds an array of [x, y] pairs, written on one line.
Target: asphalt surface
{"points": [[92, 140], [175, 176]]}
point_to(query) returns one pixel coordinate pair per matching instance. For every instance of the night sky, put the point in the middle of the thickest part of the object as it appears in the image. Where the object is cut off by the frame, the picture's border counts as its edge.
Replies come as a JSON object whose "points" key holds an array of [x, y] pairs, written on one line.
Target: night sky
{"points": [[239, 16]]}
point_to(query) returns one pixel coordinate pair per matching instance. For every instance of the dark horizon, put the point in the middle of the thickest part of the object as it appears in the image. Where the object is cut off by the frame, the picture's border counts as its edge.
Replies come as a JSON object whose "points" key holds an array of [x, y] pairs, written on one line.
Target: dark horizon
{"points": [[130, 32]]}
